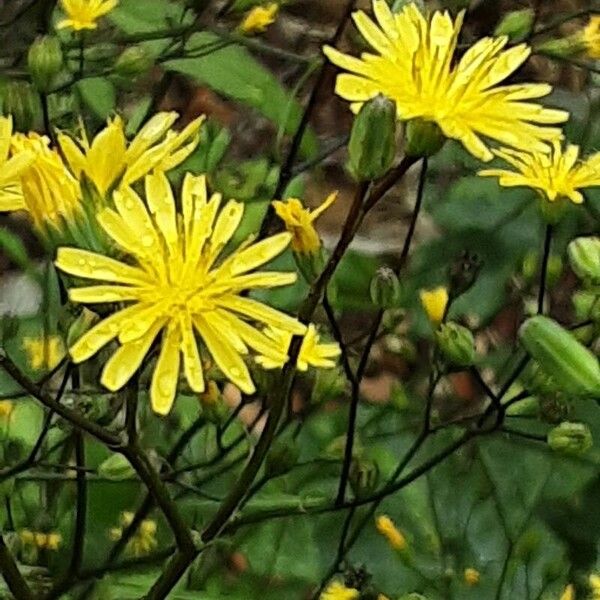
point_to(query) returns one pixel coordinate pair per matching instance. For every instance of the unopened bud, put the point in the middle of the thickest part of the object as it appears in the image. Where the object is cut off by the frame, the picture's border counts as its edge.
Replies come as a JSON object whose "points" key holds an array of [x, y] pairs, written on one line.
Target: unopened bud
{"points": [[44, 61], [423, 138], [571, 438], [133, 62], [22, 103], [372, 145], [435, 303], [457, 344], [562, 47], [364, 475], [516, 24], [584, 256], [281, 459], [385, 288], [80, 325], [116, 468], [587, 305]]}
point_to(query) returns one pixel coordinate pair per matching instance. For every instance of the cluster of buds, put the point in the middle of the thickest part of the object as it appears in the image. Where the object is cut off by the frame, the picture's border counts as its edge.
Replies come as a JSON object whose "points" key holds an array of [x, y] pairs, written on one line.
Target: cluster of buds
{"points": [[40, 540], [143, 540]]}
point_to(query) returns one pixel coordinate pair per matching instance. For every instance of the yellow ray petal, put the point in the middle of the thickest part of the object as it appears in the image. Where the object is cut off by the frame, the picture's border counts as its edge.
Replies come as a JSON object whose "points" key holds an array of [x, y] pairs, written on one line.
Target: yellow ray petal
{"points": [[163, 387]]}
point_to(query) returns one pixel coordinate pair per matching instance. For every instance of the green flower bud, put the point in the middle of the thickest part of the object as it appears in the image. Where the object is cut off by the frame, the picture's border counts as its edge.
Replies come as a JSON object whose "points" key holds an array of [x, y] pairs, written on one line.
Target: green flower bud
{"points": [[44, 61], [562, 47], [516, 24], [23, 104], [571, 438], [456, 343], [570, 364], [133, 62], [587, 306], [116, 468], [584, 256], [385, 288], [80, 325], [372, 145], [423, 138], [281, 459], [364, 475]]}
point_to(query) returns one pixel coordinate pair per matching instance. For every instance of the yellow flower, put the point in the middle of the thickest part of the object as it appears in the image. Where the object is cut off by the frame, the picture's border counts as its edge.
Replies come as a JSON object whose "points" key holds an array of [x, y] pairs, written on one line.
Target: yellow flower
{"points": [[385, 526], [435, 302], [143, 540], [44, 353], [569, 593], [556, 175], [83, 14], [312, 353], [177, 283], [299, 221], [591, 37], [6, 408], [338, 591], [259, 18], [110, 159], [11, 195], [53, 541], [414, 65], [594, 583], [26, 536], [51, 194], [471, 576], [41, 540]]}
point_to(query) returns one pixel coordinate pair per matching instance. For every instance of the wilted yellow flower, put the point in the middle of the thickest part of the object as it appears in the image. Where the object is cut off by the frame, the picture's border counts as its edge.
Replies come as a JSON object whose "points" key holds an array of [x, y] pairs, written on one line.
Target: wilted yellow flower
{"points": [[6, 408], [312, 353], [259, 18], [414, 65], [11, 195], [83, 14], [110, 159], [435, 302], [569, 593], [385, 526], [44, 353], [471, 576], [299, 221], [177, 283], [51, 194], [556, 175], [591, 37], [338, 591]]}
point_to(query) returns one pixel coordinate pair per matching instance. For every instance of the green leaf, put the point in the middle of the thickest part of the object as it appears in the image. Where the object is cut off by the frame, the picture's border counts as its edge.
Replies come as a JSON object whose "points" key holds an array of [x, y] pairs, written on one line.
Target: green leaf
{"points": [[99, 95], [233, 72]]}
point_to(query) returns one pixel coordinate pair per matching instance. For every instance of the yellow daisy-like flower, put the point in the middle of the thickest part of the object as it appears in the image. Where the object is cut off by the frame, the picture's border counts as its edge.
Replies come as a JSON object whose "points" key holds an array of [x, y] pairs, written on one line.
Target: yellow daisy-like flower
{"points": [[50, 194], [591, 37], [259, 18], [338, 591], [312, 353], [557, 175], [386, 527], [83, 14], [178, 284], [415, 67], [44, 353], [11, 195], [435, 302], [110, 159], [299, 221]]}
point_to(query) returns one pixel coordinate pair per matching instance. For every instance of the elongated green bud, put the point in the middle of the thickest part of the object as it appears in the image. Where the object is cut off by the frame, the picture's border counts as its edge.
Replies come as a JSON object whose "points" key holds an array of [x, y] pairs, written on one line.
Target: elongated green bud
{"points": [[456, 343], [44, 61], [133, 62], [584, 256], [516, 24], [571, 438], [385, 288], [423, 138], [116, 468], [22, 103], [570, 364], [372, 144]]}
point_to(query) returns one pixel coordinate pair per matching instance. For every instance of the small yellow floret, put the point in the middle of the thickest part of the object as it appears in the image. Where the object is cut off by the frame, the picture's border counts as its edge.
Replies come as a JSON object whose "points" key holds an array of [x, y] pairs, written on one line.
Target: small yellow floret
{"points": [[568, 593], [591, 37], [338, 591], [83, 14], [385, 526], [434, 302], [6, 408], [299, 221], [259, 18], [471, 576]]}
